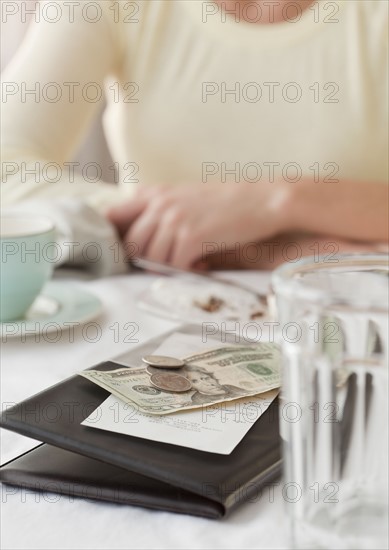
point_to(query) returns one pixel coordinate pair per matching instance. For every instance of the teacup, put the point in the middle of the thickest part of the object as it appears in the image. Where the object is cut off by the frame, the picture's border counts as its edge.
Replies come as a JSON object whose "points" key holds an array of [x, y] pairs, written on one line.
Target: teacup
{"points": [[26, 262]]}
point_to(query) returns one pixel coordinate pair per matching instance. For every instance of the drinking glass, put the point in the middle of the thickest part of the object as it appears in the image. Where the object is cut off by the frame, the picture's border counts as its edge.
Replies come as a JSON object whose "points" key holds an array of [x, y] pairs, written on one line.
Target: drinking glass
{"points": [[333, 331]]}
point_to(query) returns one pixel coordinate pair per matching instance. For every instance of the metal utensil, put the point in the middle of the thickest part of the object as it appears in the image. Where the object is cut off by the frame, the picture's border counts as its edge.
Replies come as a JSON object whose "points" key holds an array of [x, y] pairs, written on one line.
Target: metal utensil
{"points": [[165, 269]]}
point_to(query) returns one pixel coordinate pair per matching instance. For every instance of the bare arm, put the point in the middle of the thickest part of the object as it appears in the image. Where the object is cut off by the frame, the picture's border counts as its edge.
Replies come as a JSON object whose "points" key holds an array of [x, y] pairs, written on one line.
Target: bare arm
{"points": [[357, 211], [319, 219], [52, 90], [182, 225]]}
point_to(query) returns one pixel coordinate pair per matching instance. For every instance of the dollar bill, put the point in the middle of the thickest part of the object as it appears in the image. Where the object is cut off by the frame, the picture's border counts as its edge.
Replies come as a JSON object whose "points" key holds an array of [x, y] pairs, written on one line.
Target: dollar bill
{"points": [[217, 375]]}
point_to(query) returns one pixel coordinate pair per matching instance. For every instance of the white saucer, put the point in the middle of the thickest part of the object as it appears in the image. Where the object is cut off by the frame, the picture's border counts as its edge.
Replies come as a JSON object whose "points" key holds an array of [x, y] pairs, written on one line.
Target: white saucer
{"points": [[180, 300], [60, 306]]}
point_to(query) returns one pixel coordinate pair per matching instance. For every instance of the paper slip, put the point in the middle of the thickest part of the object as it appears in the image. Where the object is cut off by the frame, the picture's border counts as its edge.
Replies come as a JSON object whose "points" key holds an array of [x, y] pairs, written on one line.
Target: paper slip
{"points": [[215, 429]]}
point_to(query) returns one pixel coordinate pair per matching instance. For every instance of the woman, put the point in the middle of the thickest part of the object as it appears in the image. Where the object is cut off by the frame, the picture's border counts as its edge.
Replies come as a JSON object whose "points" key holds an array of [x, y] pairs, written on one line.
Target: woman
{"points": [[244, 122]]}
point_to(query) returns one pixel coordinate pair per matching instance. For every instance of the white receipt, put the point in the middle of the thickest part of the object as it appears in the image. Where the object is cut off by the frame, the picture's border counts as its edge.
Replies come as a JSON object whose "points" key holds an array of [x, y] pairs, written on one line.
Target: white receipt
{"points": [[215, 429]]}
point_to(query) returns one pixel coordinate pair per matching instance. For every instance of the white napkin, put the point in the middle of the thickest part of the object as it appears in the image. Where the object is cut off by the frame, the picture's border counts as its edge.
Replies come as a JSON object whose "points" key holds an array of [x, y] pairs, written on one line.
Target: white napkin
{"points": [[84, 237]]}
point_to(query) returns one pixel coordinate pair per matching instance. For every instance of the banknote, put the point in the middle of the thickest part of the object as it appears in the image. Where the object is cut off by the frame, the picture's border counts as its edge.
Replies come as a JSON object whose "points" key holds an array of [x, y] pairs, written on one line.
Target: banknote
{"points": [[217, 375]]}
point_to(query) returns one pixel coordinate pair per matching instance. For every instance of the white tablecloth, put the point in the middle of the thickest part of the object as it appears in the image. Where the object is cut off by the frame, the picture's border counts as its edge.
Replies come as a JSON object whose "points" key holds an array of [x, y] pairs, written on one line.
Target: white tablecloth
{"points": [[37, 521]]}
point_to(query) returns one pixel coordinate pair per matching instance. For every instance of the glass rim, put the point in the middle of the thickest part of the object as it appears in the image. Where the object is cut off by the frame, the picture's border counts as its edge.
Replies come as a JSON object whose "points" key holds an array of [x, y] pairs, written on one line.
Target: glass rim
{"points": [[284, 283]]}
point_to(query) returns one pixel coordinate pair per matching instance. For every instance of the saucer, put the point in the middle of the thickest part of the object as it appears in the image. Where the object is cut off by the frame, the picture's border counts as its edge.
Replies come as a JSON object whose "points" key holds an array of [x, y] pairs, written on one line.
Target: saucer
{"points": [[191, 301], [61, 305]]}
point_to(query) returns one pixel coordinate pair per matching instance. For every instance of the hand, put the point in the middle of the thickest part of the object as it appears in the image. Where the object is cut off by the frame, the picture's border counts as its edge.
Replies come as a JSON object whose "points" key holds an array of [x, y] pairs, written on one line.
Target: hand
{"points": [[180, 225]]}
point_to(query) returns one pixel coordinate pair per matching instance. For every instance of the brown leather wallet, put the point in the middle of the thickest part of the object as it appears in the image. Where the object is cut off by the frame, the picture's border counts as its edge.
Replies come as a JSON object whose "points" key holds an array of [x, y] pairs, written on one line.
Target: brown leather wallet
{"points": [[81, 461]]}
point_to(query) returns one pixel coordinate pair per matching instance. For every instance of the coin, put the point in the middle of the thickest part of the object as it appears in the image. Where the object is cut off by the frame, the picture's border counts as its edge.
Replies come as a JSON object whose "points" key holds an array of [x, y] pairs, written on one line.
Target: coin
{"points": [[168, 381], [158, 370], [163, 362]]}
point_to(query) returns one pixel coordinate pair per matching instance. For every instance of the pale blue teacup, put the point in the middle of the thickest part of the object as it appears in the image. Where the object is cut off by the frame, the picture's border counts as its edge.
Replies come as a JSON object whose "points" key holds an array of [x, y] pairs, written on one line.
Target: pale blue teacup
{"points": [[27, 244]]}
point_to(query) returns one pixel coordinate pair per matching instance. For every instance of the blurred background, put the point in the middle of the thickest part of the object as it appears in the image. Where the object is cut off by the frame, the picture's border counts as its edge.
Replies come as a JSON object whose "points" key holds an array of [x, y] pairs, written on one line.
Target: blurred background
{"points": [[94, 148]]}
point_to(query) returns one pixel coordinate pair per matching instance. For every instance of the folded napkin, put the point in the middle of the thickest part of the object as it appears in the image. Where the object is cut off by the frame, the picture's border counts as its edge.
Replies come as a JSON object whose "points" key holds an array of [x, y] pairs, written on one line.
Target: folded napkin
{"points": [[84, 237]]}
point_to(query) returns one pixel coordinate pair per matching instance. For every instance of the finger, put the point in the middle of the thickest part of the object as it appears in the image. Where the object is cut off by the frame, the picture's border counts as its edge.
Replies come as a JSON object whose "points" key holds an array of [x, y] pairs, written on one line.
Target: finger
{"points": [[141, 231], [186, 250], [122, 216], [161, 244], [201, 265]]}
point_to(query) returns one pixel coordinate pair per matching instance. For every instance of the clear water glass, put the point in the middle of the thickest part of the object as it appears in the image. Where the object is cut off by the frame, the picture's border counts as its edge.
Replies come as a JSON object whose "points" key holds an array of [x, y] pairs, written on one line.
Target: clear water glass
{"points": [[333, 331]]}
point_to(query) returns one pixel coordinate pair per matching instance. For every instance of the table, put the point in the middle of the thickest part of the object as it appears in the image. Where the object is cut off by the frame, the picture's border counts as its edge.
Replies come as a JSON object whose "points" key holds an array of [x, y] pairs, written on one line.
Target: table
{"points": [[38, 521]]}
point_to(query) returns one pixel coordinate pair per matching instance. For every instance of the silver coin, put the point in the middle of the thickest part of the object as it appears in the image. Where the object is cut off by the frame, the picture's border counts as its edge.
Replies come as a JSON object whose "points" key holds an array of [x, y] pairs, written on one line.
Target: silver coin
{"points": [[171, 382], [157, 370], [163, 362]]}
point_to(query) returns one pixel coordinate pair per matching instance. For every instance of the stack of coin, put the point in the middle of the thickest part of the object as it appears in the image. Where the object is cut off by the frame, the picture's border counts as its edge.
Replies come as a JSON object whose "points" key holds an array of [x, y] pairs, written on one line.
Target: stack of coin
{"points": [[164, 373]]}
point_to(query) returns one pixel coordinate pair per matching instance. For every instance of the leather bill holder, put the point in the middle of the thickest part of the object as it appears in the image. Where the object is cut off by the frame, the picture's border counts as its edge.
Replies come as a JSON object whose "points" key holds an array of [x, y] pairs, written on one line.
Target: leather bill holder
{"points": [[80, 461]]}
